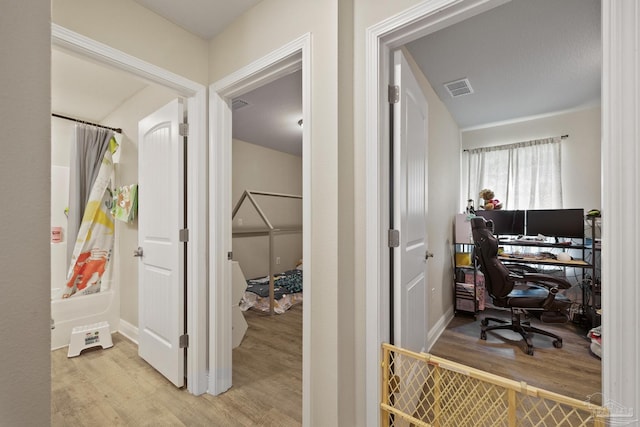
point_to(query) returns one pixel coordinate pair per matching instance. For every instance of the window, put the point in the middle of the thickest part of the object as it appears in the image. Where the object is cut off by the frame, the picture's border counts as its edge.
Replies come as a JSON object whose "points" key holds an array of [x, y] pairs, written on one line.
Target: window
{"points": [[525, 175]]}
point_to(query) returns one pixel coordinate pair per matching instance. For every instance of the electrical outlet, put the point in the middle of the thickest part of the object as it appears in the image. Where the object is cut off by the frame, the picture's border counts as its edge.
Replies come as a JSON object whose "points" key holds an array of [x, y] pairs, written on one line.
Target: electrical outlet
{"points": [[278, 260], [239, 221]]}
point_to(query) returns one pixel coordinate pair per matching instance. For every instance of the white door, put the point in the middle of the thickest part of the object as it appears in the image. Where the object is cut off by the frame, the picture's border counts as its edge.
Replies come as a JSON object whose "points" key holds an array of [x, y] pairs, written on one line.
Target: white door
{"points": [[409, 209], [161, 296]]}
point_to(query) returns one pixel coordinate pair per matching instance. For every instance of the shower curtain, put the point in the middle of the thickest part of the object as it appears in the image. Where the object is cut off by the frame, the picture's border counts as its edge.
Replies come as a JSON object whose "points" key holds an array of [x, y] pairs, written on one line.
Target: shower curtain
{"points": [[90, 227]]}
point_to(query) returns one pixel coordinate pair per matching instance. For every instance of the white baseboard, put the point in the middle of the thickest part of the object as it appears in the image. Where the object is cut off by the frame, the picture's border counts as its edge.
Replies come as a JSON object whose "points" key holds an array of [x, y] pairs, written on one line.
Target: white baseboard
{"points": [[128, 330], [439, 328]]}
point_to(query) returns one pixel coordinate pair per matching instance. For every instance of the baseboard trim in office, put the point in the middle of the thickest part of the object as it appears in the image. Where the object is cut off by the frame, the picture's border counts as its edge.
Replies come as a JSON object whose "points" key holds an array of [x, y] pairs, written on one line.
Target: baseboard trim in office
{"points": [[128, 330], [439, 328]]}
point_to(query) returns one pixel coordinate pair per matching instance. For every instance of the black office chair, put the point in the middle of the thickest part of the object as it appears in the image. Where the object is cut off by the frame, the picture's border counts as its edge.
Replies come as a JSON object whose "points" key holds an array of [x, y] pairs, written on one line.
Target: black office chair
{"points": [[520, 291]]}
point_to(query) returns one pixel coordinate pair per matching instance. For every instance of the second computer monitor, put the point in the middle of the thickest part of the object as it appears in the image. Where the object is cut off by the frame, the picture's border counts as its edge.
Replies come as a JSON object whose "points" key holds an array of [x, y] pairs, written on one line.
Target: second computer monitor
{"points": [[556, 222], [505, 223]]}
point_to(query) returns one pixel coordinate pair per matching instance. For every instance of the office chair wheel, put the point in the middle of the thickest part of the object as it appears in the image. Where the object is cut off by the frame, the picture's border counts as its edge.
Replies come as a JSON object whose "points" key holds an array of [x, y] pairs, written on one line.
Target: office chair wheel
{"points": [[557, 343], [483, 335], [530, 350]]}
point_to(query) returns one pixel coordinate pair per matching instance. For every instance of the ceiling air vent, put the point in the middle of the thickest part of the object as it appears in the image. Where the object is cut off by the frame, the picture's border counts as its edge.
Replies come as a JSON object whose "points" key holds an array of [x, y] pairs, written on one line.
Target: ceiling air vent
{"points": [[459, 87], [237, 104]]}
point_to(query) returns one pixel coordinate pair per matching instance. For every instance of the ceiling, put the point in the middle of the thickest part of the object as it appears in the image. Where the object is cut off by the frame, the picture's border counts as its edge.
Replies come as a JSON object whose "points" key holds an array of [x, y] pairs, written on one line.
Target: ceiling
{"points": [[522, 59], [270, 117], [205, 18]]}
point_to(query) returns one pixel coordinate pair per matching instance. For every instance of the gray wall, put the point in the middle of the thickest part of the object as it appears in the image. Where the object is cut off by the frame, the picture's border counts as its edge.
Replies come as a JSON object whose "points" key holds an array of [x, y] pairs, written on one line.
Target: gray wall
{"points": [[25, 49]]}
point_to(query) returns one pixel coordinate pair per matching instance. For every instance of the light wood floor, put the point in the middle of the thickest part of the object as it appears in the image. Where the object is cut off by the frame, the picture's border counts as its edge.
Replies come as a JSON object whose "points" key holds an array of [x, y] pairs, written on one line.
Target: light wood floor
{"points": [[114, 387], [570, 370]]}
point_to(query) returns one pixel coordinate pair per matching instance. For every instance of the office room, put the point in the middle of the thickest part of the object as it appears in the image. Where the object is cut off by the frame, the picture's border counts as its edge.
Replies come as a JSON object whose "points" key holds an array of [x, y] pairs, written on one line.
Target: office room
{"points": [[530, 132]]}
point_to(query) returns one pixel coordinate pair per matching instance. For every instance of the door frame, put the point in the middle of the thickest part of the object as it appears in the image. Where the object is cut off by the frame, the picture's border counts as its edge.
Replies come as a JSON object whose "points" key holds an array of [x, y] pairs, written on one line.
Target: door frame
{"points": [[291, 57], [620, 130], [196, 269]]}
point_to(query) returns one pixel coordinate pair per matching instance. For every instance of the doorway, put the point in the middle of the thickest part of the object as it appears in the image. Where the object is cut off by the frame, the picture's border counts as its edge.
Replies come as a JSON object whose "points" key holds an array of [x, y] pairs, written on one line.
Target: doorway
{"points": [[385, 37], [284, 61], [194, 93], [268, 268]]}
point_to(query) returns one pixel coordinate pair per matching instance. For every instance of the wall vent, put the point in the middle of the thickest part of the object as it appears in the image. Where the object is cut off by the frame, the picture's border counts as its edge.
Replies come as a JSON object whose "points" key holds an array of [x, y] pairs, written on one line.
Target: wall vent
{"points": [[459, 87], [238, 103]]}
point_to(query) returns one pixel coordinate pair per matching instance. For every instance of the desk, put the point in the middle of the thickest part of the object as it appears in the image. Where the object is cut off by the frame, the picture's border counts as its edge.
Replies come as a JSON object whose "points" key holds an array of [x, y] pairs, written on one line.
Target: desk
{"points": [[532, 259]]}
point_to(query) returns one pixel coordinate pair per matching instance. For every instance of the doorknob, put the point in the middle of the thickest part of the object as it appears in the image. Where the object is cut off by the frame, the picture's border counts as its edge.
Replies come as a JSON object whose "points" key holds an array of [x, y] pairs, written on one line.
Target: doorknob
{"points": [[428, 255], [138, 252]]}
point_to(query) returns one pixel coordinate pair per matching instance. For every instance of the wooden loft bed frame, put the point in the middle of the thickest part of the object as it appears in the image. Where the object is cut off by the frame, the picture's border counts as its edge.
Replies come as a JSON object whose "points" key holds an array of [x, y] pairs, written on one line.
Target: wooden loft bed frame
{"points": [[269, 230]]}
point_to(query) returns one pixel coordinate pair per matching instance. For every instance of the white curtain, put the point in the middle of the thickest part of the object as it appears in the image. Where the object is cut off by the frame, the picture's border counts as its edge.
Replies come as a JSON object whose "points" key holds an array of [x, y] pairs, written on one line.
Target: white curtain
{"points": [[525, 175]]}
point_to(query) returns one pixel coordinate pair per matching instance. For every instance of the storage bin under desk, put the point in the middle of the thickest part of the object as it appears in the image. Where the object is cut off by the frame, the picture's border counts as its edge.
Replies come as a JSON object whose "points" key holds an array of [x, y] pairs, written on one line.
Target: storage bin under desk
{"points": [[470, 292]]}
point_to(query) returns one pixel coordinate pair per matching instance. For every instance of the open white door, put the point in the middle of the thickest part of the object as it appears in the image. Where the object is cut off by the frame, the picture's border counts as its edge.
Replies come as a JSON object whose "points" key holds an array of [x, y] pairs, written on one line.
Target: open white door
{"points": [[409, 209], [161, 287]]}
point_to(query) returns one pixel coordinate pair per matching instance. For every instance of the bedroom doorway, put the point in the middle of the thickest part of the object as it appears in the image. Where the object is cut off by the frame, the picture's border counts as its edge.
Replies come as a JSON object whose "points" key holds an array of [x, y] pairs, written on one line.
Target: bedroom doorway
{"points": [[267, 267], [289, 63]]}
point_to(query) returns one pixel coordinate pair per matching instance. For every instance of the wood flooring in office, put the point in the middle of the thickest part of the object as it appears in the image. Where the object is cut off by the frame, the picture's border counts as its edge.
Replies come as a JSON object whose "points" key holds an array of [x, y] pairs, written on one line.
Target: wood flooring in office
{"points": [[114, 387], [571, 370]]}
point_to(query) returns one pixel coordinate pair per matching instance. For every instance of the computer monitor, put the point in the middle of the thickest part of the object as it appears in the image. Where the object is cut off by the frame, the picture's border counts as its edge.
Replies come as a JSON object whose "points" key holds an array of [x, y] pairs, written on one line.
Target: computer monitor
{"points": [[556, 223], [505, 223]]}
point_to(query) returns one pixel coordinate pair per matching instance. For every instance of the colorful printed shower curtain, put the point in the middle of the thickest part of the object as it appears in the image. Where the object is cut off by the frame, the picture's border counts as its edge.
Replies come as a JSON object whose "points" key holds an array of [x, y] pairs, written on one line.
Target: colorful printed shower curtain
{"points": [[94, 243]]}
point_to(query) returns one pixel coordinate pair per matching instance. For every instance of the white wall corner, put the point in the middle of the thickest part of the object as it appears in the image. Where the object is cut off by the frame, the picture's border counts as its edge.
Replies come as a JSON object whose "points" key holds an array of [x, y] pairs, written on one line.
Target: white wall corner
{"points": [[128, 330], [439, 328]]}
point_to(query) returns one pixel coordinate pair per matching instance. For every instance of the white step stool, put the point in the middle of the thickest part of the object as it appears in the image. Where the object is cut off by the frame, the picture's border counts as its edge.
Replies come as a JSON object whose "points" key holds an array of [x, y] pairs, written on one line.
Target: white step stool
{"points": [[87, 336]]}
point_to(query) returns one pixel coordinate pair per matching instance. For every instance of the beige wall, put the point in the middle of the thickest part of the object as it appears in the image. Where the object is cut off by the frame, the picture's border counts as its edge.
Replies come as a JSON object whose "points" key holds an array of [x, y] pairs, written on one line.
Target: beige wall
{"points": [[346, 290], [25, 386], [129, 27], [581, 176], [262, 169]]}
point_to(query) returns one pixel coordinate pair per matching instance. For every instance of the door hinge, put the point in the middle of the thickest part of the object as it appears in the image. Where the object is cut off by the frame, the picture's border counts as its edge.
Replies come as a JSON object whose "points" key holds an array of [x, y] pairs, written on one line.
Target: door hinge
{"points": [[394, 94], [184, 235], [394, 238], [184, 341], [229, 256], [183, 129]]}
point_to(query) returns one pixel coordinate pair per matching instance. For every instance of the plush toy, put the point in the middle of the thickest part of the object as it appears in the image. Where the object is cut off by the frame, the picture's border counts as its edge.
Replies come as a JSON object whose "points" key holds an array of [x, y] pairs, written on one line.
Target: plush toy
{"points": [[489, 201]]}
